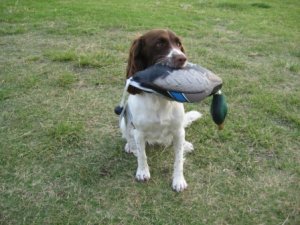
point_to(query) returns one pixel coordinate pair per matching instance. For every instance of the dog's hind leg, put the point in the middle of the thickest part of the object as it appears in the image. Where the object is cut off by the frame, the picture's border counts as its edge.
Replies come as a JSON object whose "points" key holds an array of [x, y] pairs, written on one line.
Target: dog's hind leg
{"points": [[127, 133], [130, 146]]}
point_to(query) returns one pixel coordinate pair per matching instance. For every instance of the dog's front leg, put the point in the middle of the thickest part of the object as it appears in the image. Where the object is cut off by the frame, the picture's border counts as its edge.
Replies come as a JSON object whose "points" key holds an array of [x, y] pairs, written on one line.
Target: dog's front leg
{"points": [[179, 183], [142, 173]]}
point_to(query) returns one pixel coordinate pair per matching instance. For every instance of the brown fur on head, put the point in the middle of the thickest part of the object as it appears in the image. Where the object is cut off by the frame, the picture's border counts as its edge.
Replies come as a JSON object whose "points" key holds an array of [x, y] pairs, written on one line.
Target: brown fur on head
{"points": [[135, 62], [148, 49]]}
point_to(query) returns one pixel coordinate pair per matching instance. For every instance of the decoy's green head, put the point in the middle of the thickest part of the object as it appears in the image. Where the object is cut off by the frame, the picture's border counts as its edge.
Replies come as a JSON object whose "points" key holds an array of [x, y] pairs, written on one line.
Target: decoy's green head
{"points": [[219, 109]]}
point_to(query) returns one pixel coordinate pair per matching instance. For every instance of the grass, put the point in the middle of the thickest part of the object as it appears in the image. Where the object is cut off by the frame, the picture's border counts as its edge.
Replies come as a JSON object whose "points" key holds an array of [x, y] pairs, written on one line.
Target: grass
{"points": [[61, 153]]}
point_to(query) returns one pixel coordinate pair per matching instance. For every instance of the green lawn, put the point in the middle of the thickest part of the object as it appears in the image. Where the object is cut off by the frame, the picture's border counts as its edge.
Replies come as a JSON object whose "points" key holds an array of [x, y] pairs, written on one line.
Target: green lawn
{"points": [[62, 70]]}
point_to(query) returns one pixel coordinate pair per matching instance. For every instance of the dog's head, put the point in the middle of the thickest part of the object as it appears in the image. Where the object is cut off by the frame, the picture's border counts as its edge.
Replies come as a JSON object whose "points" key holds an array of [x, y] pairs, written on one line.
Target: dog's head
{"points": [[155, 46]]}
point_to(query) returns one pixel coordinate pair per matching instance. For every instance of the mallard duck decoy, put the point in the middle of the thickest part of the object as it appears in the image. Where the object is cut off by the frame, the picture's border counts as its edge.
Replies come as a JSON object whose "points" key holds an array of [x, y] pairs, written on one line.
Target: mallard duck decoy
{"points": [[192, 83]]}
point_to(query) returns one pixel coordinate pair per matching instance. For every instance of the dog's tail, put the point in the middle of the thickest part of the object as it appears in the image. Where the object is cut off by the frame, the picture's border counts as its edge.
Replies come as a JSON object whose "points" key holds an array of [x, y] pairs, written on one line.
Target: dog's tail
{"points": [[190, 117]]}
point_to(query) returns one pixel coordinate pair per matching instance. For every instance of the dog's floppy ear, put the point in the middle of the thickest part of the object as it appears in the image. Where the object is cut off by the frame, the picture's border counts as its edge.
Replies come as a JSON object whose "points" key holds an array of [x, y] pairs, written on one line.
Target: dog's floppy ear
{"points": [[136, 62]]}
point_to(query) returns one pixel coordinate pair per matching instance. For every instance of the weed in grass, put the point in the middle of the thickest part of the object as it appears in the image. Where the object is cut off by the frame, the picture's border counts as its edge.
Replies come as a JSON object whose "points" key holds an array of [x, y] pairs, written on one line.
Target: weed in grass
{"points": [[295, 53], [11, 29], [66, 79], [232, 6], [5, 94], [62, 56], [98, 60], [30, 81], [261, 5], [294, 68], [33, 58], [67, 134], [95, 60]]}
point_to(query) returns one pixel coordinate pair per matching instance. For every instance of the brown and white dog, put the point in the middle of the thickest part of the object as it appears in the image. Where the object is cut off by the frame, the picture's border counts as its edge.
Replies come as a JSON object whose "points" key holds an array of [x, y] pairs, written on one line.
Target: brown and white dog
{"points": [[154, 119]]}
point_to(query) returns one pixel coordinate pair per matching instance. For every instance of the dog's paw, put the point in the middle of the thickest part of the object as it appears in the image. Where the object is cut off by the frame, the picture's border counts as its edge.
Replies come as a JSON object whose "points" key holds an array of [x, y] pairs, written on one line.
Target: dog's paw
{"points": [[188, 147], [129, 149], [179, 184], [142, 174]]}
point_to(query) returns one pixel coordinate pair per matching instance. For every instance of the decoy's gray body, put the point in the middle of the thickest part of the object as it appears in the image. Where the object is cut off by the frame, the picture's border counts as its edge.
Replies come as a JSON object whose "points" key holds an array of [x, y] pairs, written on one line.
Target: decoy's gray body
{"points": [[192, 83]]}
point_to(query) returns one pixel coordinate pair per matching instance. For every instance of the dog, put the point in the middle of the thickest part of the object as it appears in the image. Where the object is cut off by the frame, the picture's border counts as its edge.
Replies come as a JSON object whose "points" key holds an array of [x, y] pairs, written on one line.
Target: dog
{"points": [[153, 119]]}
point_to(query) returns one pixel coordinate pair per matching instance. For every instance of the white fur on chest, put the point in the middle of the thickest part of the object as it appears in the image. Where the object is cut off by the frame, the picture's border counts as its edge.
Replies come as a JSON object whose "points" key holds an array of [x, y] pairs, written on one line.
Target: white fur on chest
{"points": [[157, 117]]}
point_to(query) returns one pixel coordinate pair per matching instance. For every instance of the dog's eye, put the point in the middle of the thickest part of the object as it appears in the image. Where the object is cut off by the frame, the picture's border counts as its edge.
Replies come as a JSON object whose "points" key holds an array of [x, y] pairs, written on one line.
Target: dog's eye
{"points": [[160, 43], [178, 43]]}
